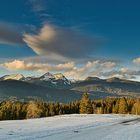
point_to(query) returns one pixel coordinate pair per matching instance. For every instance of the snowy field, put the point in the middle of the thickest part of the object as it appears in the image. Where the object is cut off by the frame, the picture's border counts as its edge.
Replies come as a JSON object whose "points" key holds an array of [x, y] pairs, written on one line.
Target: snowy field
{"points": [[73, 127]]}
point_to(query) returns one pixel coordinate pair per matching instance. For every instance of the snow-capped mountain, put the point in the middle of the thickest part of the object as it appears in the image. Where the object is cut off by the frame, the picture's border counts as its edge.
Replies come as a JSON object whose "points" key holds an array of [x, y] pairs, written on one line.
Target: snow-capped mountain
{"points": [[60, 76], [48, 80], [47, 77], [56, 87], [54, 77], [54, 80], [13, 77]]}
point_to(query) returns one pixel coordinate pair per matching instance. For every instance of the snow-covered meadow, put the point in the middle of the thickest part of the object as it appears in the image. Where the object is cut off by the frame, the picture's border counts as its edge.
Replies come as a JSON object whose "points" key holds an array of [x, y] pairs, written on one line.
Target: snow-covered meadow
{"points": [[73, 127]]}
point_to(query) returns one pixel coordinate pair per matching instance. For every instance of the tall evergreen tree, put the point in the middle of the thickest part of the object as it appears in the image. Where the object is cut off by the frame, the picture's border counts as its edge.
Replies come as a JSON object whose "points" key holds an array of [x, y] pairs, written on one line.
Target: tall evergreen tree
{"points": [[115, 108], [86, 105], [33, 111], [123, 107], [136, 108]]}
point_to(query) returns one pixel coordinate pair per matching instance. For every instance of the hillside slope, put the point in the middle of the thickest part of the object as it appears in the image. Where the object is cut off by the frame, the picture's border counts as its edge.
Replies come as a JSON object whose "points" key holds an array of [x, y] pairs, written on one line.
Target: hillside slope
{"points": [[58, 88], [26, 91]]}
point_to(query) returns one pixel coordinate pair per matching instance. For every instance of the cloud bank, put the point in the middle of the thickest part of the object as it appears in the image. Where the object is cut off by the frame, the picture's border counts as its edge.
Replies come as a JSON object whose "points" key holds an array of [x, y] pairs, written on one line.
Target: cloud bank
{"points": [[69, 69], [123, 73], [96, 68], [61, 42], [10, 35], [38, 67]]}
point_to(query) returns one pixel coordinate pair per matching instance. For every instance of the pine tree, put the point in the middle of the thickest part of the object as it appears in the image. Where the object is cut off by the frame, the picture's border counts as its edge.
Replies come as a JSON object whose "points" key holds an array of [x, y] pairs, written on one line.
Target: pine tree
{"points": [[86, 105], [33, 111], [123, 107], [52, 109], [136, 108], [115, 108], [130, 103]]}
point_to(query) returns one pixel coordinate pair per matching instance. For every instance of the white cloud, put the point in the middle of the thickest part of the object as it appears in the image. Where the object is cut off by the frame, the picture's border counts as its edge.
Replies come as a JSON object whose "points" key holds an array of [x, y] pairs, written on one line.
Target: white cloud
{"points": [[123, 72], [38, 67], [109, 64], [137, 61], [103, 69], [70, 69], [16, 64]]}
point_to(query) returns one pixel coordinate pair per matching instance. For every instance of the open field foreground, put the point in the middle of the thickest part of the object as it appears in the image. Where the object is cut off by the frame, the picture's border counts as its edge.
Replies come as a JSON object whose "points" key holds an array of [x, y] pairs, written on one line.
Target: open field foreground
{"points": [[73, 127]]}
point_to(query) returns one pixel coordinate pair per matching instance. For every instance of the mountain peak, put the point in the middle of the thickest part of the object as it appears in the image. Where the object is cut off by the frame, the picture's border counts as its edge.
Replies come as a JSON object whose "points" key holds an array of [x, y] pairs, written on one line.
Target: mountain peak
{"points": [[47, 76], [13, 77], [113, 79], [92, 78], [59, 76]]}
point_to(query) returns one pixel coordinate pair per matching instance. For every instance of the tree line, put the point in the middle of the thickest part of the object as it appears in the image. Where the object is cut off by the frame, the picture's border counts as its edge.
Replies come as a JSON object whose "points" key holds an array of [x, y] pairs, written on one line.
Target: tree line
{"points": [[15, 110]]}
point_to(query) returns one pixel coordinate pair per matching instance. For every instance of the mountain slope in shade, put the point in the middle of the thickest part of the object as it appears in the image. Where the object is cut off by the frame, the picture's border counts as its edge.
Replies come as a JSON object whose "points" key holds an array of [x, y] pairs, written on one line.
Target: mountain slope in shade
{"points": [[112, 85], [92, 78], [24, 90], [56, 87]]}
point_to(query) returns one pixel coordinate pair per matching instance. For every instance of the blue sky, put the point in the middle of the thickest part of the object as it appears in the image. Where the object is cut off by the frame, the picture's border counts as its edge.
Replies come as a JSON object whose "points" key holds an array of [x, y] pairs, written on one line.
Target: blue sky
{"points": [[51, 32]]}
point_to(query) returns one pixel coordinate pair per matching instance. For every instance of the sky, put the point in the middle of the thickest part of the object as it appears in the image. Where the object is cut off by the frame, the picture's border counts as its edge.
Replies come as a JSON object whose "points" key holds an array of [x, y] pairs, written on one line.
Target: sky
{"points": [[75, 37]]}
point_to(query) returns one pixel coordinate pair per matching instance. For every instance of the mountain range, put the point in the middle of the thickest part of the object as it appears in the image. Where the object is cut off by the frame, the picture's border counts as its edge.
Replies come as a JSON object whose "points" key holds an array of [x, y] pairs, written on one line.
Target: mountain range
{"points": [[56, 87]]}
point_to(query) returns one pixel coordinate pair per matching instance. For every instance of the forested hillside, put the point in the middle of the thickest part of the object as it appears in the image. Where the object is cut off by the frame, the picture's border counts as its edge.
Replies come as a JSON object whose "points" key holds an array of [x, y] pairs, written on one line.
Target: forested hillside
{"points": [[12, 109]]}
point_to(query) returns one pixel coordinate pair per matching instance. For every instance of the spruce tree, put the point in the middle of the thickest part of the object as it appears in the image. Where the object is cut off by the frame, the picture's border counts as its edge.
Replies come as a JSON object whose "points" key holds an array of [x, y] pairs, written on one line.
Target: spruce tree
{"points": [[86, 105], [123, 107], [33, 111], [115, 108], [136, 108]]}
